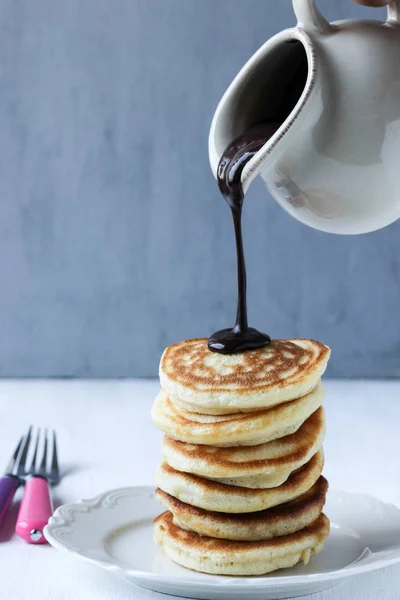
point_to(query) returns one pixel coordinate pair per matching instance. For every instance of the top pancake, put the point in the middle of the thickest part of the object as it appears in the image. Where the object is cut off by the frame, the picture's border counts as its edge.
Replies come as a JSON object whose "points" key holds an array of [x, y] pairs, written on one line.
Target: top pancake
{"points": [[206, 382]]}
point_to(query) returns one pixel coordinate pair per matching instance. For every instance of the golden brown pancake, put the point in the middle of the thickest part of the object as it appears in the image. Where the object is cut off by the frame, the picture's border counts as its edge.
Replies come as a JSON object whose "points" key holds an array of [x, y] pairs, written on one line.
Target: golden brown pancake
{"points": [[242, 429], [219, 497], [271, 463], [206, 382], [223, 557], [262, 525]]}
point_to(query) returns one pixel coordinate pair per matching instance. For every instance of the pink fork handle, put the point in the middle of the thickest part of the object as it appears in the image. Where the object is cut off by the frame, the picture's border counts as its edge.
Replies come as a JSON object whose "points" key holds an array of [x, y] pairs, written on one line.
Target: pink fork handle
{"points": [[35, 510]]}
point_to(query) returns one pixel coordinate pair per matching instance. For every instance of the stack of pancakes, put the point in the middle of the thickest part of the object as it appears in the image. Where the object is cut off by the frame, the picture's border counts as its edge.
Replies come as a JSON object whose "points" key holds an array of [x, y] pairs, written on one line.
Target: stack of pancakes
{"points": [[242, 456]]}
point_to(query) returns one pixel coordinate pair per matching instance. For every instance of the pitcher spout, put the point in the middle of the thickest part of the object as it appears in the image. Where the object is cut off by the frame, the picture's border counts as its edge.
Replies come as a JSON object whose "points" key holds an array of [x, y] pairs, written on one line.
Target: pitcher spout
{"points": [[274, 86]]}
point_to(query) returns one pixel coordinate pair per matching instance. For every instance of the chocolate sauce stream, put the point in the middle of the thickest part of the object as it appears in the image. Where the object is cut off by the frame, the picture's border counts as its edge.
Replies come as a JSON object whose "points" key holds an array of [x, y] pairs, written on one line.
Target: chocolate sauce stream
{"points": [[235, 157]]}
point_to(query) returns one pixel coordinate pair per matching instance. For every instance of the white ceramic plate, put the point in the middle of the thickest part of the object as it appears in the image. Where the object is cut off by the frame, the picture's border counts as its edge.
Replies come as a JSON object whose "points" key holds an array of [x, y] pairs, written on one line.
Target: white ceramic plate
{"points": [[115, 532]]}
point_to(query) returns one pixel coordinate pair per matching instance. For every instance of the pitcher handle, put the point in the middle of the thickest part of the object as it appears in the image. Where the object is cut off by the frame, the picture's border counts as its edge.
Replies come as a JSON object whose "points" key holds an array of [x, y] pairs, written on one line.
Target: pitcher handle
{"points": [[394, 12], [309, 17]]}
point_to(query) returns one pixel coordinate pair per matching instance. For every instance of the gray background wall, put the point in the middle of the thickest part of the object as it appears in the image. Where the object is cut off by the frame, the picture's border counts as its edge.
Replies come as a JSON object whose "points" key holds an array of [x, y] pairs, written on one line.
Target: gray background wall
{"points": [[114, 241]]}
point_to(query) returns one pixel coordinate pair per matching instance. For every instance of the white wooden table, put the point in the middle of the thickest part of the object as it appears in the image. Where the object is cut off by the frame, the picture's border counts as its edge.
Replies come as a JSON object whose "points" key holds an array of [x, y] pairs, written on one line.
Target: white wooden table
{"points": [[107, 440]]}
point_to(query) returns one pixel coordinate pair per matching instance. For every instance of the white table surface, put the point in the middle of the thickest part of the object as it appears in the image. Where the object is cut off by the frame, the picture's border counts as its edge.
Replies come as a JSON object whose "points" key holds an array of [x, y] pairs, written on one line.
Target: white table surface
{"points": [[107, 440]]}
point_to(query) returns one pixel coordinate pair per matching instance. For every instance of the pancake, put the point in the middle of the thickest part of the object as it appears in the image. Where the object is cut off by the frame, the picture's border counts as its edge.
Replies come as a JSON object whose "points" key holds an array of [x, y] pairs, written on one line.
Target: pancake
{"points": [[206, 382], [235, 430], [266, 465], [223, 557], [263, 525], [219, 497]]}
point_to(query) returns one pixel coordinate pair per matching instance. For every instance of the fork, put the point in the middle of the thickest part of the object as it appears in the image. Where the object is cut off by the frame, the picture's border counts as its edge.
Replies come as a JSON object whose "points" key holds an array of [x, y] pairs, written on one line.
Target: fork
{"points": [[37, 506]]}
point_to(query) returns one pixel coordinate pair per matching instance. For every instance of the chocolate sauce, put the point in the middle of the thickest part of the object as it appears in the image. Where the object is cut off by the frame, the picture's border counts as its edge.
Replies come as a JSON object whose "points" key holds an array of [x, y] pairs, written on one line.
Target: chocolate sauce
{"points": [[230, 168]]}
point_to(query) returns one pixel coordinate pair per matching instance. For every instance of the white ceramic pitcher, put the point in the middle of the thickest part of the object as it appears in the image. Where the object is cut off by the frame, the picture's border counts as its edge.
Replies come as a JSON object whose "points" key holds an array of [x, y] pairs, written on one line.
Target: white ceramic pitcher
{"points": [[334, 163]]}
